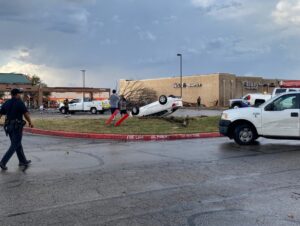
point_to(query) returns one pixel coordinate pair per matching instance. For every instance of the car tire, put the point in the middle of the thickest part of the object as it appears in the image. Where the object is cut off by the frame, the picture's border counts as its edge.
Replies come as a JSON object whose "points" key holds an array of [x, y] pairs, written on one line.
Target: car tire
{"points": [[94, 111], [62, 110], [235, 106], [135, 111], [244, 134], [163, 99]]}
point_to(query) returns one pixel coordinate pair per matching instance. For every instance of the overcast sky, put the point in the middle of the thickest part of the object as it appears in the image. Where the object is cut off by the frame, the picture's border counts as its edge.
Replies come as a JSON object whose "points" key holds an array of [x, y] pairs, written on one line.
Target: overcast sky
{"points": [[135, 39]]}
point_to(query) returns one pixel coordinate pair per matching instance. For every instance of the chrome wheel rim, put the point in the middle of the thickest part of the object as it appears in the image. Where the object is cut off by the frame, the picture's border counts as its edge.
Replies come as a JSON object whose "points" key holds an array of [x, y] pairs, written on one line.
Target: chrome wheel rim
{"points": [[246, 135], [162, 99]]}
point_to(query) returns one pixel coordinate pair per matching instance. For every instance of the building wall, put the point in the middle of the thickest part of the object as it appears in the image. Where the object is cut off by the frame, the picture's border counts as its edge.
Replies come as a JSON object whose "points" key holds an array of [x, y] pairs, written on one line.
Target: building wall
{"points": [[227, 88], [214, 89], [248, 85], [205, 86]]}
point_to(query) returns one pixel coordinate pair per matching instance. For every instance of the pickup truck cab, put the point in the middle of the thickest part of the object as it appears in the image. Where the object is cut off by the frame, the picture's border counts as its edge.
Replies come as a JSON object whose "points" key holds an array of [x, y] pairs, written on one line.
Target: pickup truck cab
{"points": [[280, 90], [77, 105], [278, 118]]}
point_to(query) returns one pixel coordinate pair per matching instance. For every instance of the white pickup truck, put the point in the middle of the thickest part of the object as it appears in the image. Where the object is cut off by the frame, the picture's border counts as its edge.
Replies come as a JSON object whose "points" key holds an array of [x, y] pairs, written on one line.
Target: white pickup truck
{"points": [[278, 118], [281, 90], [256, 99], [252, 99], [76, 105]]}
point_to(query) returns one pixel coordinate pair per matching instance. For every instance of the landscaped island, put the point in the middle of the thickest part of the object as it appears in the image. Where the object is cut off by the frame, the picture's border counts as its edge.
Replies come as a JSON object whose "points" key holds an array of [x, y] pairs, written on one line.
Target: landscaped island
{"points": [[132, 125]]}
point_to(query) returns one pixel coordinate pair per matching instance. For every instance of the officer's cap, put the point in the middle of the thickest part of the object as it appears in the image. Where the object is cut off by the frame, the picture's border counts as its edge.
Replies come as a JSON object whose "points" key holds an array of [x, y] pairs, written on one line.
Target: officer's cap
{"points": [[15, 91]]}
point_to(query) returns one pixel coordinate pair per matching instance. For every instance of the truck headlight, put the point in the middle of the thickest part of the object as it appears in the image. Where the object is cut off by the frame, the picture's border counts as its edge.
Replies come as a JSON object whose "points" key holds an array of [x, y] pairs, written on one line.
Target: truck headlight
{"points": [[224, 116]]}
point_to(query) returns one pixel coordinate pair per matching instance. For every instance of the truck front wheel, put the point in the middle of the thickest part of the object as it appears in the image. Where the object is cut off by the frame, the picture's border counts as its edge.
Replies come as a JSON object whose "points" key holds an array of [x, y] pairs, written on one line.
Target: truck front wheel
{"points": [[94, 111], [244, 134], [63, 110], [235, 106]]}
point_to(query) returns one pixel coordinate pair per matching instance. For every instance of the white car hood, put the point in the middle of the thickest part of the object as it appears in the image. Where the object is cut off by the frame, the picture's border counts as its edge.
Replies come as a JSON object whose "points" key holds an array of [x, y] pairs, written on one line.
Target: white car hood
{"points": [[242, 113]]}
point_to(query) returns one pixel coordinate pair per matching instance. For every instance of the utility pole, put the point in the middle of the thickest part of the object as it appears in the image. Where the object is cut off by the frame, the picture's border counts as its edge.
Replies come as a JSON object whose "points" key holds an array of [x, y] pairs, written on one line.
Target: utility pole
{"points": [[181, 85], [83, 86]]}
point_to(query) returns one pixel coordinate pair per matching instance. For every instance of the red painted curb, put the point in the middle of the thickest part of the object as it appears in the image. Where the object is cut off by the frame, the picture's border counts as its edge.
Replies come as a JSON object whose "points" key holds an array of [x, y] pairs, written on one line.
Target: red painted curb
{"points": [[123, 137]]}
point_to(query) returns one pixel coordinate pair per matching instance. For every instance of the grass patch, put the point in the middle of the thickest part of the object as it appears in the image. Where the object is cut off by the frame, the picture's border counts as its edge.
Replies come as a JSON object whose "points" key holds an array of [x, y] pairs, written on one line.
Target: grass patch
{"points": [[130, 126]]}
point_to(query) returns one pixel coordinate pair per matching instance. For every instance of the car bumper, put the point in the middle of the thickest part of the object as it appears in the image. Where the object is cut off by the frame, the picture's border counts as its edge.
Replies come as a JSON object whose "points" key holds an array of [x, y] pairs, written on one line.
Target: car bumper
{"points": [[224, 127]]}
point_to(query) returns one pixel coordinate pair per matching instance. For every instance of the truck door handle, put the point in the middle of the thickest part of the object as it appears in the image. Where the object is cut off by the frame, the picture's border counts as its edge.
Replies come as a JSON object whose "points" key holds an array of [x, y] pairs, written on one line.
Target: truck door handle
{"points": [[294, 114]]}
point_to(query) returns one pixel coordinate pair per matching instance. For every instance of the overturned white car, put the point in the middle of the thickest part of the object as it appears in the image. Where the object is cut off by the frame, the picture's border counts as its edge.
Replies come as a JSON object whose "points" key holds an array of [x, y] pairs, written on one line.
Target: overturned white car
{"points": [[163, 107]]}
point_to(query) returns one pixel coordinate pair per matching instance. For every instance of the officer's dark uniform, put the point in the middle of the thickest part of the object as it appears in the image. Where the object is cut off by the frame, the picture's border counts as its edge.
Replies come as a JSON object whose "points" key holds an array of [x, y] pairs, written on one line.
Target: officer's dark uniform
{"points": [[14, 109]]}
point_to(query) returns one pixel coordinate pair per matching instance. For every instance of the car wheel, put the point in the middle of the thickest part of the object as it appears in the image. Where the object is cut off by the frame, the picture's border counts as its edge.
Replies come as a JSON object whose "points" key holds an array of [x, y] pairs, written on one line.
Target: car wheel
{"points": [[135, 111], [63, 110], [93, 111], [235, 106], [163, 99], [244, 134]]}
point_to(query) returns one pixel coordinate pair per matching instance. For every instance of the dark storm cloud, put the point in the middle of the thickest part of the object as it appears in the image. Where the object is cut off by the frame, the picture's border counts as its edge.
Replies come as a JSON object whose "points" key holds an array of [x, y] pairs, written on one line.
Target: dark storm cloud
{"points": [[140, 38], [53, 15]]}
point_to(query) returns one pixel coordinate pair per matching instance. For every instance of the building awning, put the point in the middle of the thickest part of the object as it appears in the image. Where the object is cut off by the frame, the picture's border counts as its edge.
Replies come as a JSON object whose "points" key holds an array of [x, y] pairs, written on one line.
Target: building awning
{"points": [[13, 78]]}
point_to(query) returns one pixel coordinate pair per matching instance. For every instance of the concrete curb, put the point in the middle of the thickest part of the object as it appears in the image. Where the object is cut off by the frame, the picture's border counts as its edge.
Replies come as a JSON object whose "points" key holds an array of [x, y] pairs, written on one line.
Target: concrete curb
{"points": [[122, 137]]}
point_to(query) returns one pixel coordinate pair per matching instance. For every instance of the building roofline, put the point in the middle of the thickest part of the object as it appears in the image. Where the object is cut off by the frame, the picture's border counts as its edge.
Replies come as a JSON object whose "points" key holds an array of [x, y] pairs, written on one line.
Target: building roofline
{"points": [[178, 76]]}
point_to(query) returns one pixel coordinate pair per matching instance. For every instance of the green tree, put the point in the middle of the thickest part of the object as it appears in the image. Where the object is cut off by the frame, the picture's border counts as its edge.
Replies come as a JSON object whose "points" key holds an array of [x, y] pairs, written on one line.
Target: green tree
{"points": [[37, 81]]}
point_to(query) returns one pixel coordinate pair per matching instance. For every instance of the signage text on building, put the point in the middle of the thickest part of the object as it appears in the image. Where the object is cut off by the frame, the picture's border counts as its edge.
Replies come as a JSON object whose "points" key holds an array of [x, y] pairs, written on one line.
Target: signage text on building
{"points": [[251, 85], [187, 85]]}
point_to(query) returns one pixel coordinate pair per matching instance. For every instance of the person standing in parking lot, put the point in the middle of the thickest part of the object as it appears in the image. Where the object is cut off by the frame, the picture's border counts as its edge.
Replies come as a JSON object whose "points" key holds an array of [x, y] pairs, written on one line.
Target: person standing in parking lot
{"points": [[66, 105], [114, 101], [199, 102], [15, 109], [123, 105]]}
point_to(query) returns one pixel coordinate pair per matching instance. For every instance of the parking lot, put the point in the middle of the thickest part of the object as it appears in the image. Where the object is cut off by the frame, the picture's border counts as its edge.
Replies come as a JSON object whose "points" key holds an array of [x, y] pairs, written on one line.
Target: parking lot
{"points": [[191, 182]]}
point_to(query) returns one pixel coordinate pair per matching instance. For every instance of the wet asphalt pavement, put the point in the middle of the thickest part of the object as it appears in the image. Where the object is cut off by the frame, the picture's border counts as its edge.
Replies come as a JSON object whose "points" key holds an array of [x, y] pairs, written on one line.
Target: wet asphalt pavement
{"points": [[190, 182]]}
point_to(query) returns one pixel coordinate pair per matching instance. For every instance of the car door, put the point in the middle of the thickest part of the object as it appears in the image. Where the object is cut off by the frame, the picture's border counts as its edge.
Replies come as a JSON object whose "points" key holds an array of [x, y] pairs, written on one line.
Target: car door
{"points": [[72, 104], [88, 104], [281, 117]]}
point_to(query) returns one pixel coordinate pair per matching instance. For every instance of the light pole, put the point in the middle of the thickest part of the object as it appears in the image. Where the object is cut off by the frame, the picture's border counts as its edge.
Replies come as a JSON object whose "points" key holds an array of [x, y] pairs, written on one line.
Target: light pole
{"points": [[180, 55], [83, 86]]}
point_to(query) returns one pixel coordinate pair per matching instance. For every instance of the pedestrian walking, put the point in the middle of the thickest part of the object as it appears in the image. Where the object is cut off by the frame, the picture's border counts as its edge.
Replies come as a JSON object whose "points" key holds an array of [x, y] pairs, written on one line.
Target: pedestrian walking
{"points": [[15, 109], [123, 105], [114, 101], [199, 101], [66, 105]]}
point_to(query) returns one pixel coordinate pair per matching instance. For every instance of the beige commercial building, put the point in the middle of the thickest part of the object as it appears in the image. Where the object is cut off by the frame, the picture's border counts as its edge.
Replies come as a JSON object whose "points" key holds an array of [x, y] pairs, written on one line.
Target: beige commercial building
{"points": [[214, 89]]}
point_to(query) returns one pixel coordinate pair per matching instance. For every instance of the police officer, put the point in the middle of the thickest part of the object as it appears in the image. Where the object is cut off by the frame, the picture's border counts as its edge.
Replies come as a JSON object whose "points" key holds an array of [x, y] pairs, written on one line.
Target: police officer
{"points": [[14, 109]]}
